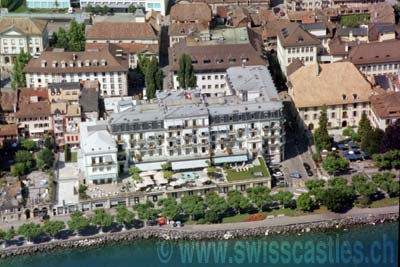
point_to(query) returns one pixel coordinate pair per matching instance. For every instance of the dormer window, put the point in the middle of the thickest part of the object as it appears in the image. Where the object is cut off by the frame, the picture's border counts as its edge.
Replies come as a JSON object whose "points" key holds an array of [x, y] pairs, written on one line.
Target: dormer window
{"points": [[344, 97], [44, 63], [63, 64], [71, 64], [54, 64], [103, 62], [79, 64], [87, 63], [354, 96], [95, 62]]}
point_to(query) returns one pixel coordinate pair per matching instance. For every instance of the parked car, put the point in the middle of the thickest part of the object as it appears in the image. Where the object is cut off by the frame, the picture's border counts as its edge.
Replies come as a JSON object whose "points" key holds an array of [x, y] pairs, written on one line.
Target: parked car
{"points": [[277, 174], [306, 166], [295, 175], [310, 173]]}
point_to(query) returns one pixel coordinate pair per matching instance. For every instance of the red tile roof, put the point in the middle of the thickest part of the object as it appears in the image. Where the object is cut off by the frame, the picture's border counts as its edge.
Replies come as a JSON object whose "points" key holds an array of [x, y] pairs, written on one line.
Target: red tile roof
{"points": [[121, 31], [8, 130]]}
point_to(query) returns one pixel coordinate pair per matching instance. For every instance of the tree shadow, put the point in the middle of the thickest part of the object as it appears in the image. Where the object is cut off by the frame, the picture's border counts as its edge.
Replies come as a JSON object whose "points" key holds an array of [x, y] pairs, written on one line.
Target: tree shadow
{"points": [[88, 231], [64, 234]]}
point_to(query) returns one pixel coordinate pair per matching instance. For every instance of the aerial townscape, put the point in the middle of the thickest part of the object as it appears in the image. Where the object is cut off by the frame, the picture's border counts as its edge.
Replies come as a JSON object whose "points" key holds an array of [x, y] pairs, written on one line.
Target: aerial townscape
{"points": [[195, 119]]}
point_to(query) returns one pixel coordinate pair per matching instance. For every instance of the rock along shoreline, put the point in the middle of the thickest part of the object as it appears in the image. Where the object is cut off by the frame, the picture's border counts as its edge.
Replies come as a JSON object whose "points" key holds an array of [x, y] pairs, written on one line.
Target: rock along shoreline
{"points": [[164, 233]]}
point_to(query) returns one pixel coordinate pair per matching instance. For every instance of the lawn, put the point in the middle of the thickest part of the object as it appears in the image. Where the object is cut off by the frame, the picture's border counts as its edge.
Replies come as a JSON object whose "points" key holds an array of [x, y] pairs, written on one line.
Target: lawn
{"points": [[385, 202], [354, 20], [233, 175], [275, 212]]}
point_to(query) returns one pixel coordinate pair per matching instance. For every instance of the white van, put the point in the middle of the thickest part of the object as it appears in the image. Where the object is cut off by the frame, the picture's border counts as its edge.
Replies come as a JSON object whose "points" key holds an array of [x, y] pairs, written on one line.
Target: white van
{"points": [[70, 10]]}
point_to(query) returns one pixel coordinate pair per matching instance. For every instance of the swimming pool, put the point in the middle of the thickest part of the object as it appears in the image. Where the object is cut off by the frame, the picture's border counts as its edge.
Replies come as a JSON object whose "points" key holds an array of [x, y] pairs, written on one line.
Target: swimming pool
{"points": [[189, 175]]}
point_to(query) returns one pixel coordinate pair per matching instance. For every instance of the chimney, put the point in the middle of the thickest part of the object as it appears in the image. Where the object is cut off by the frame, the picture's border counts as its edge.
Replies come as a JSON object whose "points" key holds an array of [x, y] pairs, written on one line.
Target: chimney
{"points": [[346, 48], [351, 35]]}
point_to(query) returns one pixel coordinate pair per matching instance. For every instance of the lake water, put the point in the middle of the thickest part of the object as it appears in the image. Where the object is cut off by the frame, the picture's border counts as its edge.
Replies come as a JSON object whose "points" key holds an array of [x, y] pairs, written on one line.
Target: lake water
{"points": [[364, 246]]}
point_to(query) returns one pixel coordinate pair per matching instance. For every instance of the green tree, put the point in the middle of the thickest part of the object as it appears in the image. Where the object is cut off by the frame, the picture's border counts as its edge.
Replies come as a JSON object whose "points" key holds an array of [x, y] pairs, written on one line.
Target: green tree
{"points": [[123, 216], [322, 139], [211, 216], [47, 143], [336, 199], [394, 188], [146, 211], [61, 38], [305, 202], [134, 171], [166, 166], [76, 36], [24, 163], [372, 143], [283, 197], [2, 235], [383, 180], [388, 160], [105, 10], [150, 75], [53, 227], [45, 158], [193, 206], [78, 222], [334, 163], [132, 9], [315, 185], [338, 182], [259, 196], [101, 219], [216, 203], [237, 201], [391, 138], [186, 77], [168, 175], [18, 79], [28, 144], [170, 208], [29, 231], [10, 234], [350, 133]]}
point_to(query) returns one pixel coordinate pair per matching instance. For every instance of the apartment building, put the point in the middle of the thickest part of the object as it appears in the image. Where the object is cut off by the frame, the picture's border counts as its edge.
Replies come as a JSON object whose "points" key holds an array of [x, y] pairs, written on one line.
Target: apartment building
{"points": [[212, 54], [123, 5], [64, 98], [106, 65], [296, 43], [377, 57], [188, 18], [21, 34], [48, 4], [296, 5], [97, 157], [215, 4], [338, 86], [385, 109], [34, 114], [130, 38], [188, 129]]}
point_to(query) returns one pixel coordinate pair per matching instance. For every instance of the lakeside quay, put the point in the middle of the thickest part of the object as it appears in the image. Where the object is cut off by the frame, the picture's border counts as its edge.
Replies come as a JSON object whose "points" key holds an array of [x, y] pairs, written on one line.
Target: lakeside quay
{"points": [[278, 226]]}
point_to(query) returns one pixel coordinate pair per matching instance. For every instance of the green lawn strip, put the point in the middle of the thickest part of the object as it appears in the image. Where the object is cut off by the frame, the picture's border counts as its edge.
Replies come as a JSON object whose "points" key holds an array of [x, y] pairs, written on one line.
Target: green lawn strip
{"points": [[233, 175], [385, 202]]}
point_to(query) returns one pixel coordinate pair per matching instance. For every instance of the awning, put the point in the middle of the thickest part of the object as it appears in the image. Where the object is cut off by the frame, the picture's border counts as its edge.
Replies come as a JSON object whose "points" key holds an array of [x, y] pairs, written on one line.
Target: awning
{"points": [[230, 159], [189, 164], [150, 166]]}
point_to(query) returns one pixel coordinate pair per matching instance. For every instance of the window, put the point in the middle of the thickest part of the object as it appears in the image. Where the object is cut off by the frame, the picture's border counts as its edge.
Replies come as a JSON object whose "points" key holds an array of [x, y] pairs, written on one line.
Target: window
{"points": [[333, 115]]}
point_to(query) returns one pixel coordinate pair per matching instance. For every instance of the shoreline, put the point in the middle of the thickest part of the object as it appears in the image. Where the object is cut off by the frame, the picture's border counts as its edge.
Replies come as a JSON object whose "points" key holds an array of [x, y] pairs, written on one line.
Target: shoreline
{"points": [[204, 232]]}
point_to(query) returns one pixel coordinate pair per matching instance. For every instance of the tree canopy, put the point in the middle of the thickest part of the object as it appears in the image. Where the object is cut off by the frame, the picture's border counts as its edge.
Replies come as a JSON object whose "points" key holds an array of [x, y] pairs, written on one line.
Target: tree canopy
{"points": [[193, 205], [73, 39], [18, 79], [101, 218], [259, 196], [334, 163], [283, 197], [215, 203], [322, 139], [305, 202], [29, 230], [53, 227], [237, 201], [78, 222], [170, 208], [186, 77]]}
